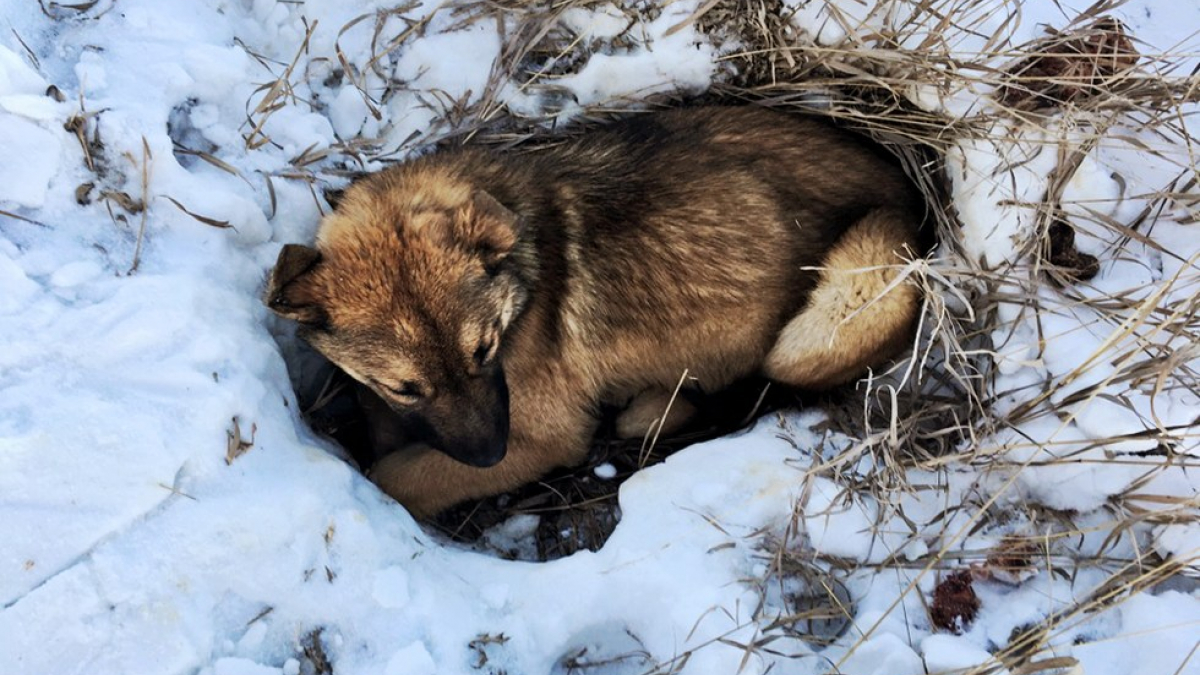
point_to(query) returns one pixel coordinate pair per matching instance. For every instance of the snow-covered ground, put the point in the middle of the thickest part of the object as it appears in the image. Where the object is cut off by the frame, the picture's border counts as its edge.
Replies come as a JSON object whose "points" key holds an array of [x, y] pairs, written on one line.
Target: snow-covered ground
{"points": [[131, 545]]}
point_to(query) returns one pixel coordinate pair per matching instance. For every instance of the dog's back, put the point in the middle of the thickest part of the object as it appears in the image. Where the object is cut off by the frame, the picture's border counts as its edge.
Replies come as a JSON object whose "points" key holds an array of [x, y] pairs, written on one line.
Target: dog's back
{"points": [[669, 226], [495, 300]]}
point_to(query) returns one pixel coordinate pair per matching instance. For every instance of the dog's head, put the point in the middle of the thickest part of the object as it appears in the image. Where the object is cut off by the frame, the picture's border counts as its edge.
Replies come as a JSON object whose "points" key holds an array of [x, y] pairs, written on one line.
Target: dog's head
{"points": [[410, 291]]}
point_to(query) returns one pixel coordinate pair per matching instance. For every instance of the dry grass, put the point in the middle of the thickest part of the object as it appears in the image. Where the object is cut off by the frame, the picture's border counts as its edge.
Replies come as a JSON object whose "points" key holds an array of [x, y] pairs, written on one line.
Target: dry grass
{"points": [[1090, 92], [940, 411]]}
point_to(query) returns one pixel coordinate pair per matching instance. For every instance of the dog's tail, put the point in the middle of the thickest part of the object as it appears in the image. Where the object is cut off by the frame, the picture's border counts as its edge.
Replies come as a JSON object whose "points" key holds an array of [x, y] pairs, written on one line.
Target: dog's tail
{"points": [[861, 312]]}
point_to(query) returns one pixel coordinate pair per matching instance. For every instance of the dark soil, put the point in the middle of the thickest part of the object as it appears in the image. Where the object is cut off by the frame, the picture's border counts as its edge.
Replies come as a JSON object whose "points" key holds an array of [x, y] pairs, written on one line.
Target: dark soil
{"points": [[954, 603]]}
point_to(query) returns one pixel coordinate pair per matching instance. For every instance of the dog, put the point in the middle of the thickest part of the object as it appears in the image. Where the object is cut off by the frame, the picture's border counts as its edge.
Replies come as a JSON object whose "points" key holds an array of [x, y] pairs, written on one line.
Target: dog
{"points": [[495, 300]]}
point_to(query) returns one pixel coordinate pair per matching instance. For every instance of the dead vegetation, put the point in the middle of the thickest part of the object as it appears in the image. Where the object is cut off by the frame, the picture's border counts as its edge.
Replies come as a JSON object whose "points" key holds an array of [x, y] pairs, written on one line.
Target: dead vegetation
{"points": [[1084, 83], [312, 647], [236, 444]]}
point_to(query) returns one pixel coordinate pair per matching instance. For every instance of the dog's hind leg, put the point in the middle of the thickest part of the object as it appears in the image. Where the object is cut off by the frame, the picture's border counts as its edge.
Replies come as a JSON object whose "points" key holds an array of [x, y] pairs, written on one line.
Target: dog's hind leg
{"points": [[857, 315], [645, 412]]}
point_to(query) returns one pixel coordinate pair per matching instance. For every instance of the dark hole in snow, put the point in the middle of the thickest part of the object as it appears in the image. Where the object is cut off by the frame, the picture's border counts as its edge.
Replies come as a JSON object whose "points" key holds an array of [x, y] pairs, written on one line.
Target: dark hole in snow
{"points": [[803, 599], [566, 511], [818, 610], [571, 509], [1069, 263]]}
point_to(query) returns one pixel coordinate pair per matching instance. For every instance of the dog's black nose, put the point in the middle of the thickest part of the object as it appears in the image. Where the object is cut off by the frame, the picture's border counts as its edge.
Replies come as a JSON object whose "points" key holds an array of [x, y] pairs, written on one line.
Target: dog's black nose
{"points": [[476, 432]]}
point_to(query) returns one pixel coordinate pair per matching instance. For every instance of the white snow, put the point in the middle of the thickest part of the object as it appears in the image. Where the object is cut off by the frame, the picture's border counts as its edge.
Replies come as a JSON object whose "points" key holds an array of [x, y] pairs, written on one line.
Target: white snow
{"points": [[132, 546], [949, 653], [605, 471], [668, 55], [24, 183], [391, 588], [412, 660]]}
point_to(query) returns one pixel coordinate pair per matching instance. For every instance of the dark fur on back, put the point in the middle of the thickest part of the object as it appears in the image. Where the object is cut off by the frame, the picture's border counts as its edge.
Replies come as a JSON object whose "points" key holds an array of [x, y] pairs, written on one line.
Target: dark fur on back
{"points": [[472, 288], [600, 189]]}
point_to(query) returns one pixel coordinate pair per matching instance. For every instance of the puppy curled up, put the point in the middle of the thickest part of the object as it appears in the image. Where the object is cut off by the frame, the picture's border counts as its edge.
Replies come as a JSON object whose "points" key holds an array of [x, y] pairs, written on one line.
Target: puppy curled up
{"points": [[496, 300]]}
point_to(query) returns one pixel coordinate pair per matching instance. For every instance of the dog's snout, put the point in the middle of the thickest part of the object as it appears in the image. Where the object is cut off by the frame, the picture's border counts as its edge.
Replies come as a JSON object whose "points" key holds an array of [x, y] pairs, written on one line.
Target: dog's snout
{"points": [[475, 428]]}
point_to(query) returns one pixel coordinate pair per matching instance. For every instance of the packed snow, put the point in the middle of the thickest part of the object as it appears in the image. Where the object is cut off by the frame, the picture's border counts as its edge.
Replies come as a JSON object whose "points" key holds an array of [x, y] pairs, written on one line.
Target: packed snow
{"points": [[135, 352]]}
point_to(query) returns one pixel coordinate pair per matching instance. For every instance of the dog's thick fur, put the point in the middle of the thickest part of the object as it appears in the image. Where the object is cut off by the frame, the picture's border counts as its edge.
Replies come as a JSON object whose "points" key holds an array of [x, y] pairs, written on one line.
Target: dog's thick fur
{"points": [[495, 300]]}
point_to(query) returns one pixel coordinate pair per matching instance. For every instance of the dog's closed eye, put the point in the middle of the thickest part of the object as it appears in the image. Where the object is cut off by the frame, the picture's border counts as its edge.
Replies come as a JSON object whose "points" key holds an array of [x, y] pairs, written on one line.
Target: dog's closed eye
{"points": [[408, 392]]}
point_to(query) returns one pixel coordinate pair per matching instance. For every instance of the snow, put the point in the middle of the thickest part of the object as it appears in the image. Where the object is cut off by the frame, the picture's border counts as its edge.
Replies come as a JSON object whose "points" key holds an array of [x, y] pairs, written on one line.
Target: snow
{"points": [[599, 22], [391, 588], [25, 184], [669, 57], [948, 653], [132, 546], [840, 523], [987, 173], [830, 23], [236, 666], [1158, 629], [412, 660]]}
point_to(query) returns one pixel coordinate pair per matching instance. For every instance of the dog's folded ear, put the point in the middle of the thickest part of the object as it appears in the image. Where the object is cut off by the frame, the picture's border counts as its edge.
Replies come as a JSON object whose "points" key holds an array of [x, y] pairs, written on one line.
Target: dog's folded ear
{"points": [[480, 226], [488, 227], [290, 292]]}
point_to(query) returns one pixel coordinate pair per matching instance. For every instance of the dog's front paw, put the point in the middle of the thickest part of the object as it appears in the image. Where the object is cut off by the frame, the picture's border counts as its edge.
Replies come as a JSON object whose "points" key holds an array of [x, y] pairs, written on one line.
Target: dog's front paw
{"points": [[410, 475]]}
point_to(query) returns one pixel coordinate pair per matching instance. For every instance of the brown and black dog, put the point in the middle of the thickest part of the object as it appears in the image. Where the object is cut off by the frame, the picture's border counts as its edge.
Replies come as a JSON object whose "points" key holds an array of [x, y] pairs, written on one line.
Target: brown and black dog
{"points": [[495, 300]]}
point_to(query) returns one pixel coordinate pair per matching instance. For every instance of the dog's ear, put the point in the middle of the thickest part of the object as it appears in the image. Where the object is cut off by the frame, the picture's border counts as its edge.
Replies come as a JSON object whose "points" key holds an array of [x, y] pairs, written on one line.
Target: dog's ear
{"points": [[480, 226], [488, 227], [289, 291]]}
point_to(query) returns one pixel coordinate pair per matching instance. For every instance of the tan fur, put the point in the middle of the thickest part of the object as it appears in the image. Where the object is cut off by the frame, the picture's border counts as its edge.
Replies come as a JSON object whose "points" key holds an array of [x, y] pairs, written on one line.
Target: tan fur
{"points": [[654, 412], [854, 314], [594, 272]]}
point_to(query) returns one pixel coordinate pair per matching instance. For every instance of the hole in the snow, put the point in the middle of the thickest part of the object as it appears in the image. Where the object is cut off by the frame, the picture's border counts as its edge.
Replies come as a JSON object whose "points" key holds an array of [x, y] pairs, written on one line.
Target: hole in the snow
{"points": [[576, 509], [802, 599], [567, 511]]}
